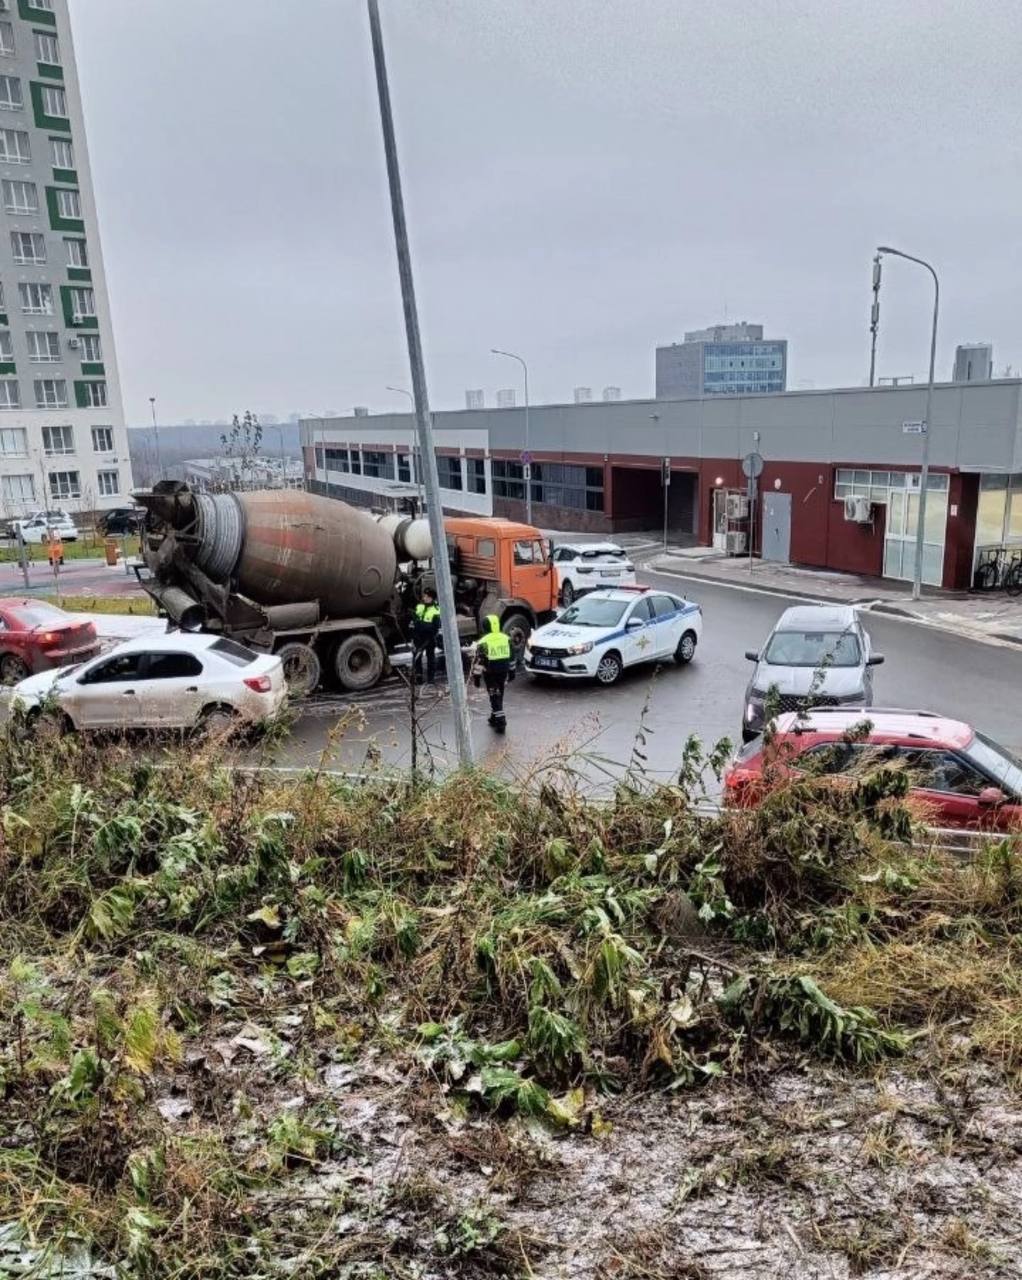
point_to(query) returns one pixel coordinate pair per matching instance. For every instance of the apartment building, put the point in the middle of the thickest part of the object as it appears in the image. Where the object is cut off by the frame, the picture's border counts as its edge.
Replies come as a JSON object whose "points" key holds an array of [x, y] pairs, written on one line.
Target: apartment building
{"points": [[63, 441]]}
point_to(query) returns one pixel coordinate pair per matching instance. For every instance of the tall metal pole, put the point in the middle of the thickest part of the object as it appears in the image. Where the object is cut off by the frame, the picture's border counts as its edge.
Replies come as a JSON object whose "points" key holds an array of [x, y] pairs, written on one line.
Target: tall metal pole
{"points": [[874, 320], [527, 467], [441, 562], [924, 469], [156, 432], [416, 470]]}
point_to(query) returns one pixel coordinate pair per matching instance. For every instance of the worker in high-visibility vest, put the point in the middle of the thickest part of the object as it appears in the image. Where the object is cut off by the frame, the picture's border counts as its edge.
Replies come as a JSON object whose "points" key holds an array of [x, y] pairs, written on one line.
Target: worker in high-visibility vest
{"points": [[425, 631], [54, 549], [493, 666]]}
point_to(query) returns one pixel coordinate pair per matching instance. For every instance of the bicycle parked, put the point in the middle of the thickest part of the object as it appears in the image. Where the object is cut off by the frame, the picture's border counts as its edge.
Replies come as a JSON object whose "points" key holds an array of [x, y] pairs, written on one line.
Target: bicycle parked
{"points": [[999, 568]]}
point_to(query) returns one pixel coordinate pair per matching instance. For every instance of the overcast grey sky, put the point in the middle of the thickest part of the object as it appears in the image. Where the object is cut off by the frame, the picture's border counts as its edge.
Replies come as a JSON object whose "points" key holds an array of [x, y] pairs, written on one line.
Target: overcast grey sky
{"points": [[584, 179]]}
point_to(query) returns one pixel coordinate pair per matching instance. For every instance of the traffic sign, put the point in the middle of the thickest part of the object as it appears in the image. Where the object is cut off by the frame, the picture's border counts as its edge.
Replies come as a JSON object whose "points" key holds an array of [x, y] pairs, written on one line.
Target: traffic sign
{"points": [[913, 428], [752, 465], [526, 457]]}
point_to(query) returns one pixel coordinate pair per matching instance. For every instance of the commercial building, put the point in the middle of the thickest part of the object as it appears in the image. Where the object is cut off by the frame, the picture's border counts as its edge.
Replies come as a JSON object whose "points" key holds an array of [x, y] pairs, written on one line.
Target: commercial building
{"points": [[725, 360], [62, 433], [974, 362], [600, 467]]}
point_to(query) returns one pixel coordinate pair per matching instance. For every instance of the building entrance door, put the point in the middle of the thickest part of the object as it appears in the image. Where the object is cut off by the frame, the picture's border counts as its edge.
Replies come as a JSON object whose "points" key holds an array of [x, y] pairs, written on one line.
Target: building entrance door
{"points": [[900, 535], [777, 527]]}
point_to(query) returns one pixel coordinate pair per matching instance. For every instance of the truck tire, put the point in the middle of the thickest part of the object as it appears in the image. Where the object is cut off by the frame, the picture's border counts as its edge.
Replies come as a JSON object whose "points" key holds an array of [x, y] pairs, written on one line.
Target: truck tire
{"points": [[302, 669], [359, 660], [516, 626]]}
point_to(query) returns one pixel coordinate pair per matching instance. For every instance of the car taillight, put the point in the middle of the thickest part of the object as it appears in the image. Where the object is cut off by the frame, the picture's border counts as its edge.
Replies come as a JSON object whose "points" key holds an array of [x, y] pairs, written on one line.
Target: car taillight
{"points": [[259, 684]]}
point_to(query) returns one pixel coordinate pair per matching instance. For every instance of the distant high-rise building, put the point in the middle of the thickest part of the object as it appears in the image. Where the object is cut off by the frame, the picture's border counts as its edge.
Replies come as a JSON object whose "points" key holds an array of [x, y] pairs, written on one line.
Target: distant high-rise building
{"points": [[727, 359], [506, 398], [612, 393], [583, 395], [65, 443], [475, 399], [361, 411], [974, 362]]}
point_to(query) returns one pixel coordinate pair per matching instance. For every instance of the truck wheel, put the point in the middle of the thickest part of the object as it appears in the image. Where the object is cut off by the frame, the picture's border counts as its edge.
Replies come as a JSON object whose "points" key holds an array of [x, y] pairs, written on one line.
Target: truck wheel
{"points": [[302, 669], [358, 662], [567, 594], [13, 669], [516, 626]]}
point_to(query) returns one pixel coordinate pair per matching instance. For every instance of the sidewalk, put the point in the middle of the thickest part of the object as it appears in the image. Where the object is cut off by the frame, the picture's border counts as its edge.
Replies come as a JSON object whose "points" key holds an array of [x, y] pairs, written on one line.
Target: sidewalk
{"points": [[983, 616]]}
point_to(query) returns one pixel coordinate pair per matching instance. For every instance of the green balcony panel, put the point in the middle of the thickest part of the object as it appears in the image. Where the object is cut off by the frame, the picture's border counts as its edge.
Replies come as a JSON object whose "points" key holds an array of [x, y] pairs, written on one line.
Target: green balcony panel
{"points": [[8, 366], [31, 13], [81, 275], [67, 177], [57, 222], [93, 369], [55, 123], [49, 72]]}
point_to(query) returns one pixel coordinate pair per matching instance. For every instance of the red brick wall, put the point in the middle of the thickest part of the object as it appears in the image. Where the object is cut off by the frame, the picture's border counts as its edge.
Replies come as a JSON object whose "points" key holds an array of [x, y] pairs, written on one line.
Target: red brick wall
{"points": [[963, 493]]}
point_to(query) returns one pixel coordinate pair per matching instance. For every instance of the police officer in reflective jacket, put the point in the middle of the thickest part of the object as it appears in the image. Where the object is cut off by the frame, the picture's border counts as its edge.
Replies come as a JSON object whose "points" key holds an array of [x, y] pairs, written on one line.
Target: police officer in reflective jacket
{"points": [[493, 666], [425, 629]]}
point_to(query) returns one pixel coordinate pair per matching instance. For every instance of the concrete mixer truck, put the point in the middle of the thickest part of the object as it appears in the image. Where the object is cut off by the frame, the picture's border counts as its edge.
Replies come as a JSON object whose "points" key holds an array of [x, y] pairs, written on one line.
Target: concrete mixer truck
{"points": [[329, 588]]}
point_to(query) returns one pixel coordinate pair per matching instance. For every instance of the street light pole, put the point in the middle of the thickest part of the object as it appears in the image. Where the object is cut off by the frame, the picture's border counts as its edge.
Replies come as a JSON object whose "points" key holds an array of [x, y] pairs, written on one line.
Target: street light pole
{"points": [[527, 469], [431, 478], [874, 320], [924, 470], [416, 470], [156, 433]]}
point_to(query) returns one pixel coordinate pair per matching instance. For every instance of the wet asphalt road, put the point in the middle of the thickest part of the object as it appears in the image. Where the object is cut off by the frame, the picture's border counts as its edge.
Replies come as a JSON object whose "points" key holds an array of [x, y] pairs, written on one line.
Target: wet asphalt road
{"points": [[924, 668]]}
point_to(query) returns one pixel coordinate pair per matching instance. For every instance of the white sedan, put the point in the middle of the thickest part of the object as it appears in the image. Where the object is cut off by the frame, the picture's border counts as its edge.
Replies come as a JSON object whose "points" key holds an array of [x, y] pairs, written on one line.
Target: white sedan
{"points": [[585, 566], [41, 528], [159, 681], [608, 630]]}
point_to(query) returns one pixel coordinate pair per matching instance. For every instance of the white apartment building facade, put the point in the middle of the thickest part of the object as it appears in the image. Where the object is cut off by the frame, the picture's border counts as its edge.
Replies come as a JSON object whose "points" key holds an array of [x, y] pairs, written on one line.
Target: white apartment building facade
{"points": [[63, 441]]}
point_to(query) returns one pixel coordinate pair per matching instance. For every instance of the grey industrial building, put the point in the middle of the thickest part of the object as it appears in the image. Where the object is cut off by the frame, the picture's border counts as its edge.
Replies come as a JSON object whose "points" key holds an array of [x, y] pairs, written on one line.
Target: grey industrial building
{"points": [[724, 360]]}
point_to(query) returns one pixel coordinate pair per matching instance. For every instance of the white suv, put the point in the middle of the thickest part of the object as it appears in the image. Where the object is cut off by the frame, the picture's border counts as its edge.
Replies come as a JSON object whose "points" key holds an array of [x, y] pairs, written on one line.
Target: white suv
{"points": [[584, 566], [36, 527]]}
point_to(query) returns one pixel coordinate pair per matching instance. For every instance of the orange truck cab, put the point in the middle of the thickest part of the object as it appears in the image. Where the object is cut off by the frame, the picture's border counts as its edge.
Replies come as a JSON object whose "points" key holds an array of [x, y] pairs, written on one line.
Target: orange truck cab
{"points": [[502, 567]]}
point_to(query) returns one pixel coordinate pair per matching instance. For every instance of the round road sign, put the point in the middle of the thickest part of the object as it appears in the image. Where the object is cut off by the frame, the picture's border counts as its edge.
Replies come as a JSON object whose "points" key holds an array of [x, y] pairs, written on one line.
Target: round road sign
{"points": [[526, 457], [752, 465]]}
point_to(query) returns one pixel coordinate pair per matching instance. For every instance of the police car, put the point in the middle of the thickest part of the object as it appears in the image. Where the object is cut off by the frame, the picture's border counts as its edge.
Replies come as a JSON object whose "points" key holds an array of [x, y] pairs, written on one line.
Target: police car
{"points": [[613, 628]]}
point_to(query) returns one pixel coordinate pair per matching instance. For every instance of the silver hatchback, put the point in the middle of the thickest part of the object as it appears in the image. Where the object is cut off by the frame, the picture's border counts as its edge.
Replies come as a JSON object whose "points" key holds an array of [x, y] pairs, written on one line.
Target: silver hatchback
{"points": [[816, 656]]}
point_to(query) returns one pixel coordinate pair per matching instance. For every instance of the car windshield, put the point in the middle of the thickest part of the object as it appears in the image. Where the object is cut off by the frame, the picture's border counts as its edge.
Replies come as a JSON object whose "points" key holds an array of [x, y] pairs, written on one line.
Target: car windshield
{"points": [[39, 615], [998, 763], [593, 612], [813, 649], [604, 553]]}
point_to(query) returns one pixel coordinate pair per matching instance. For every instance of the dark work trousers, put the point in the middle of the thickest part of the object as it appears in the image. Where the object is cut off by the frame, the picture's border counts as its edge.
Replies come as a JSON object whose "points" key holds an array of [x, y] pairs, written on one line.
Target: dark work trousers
{"points": [[429, 649], [495, 682]]}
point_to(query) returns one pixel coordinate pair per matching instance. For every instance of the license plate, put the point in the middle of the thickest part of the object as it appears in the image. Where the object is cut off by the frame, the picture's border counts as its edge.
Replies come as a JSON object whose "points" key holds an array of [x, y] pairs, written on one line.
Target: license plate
{"points": [[549, 663], [612, 573]]}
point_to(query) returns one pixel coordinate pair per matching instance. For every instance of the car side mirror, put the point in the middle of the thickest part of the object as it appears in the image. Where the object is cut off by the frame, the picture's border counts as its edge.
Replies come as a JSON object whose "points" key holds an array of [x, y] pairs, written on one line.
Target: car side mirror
{"points": [[875, 660], [633, 624], [752, 655], [991, 797]]}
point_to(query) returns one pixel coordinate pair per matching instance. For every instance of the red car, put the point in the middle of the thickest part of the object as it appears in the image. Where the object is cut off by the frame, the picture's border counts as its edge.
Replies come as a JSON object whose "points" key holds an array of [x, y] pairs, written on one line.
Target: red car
{"points": [[35, 636], [961, 778]]}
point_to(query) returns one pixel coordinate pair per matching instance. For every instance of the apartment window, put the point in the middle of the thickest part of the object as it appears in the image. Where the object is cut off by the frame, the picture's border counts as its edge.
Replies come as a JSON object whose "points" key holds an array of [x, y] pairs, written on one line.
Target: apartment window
{"points": [[10, 94], [508, 479], [10, 394], [91, 348], [109, 483], [68, 204], [6, 345], [36, 299], [6, 39], [77, 253], [449, 471], [15, 147], [476, 475], [102, 439], [566, 485], [65, 484], [62, 153], [83, 303], [18, 489], [93, 395], [28, 247], [42, 4], [58, 440], [54, 102], [404, 468], [51, 393], [43, 348], [13, 442], [336, 460], [47, 49], [20, 197]]}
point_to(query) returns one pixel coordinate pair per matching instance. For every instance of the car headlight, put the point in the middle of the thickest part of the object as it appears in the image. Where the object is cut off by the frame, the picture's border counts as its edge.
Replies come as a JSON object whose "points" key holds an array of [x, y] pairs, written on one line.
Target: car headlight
{"points": [[581, 648]]}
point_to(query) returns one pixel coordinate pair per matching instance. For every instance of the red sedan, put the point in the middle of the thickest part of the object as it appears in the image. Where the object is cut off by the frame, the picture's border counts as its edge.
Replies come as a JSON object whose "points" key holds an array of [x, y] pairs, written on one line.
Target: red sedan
{"points": [[35, 636], [959, 777]]}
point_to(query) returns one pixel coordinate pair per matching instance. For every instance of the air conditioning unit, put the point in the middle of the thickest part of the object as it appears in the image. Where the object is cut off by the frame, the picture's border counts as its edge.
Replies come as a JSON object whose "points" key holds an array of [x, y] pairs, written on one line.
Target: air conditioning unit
{"points": [[735, 542], [73, 343], [858, 509], [737, 506]]}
